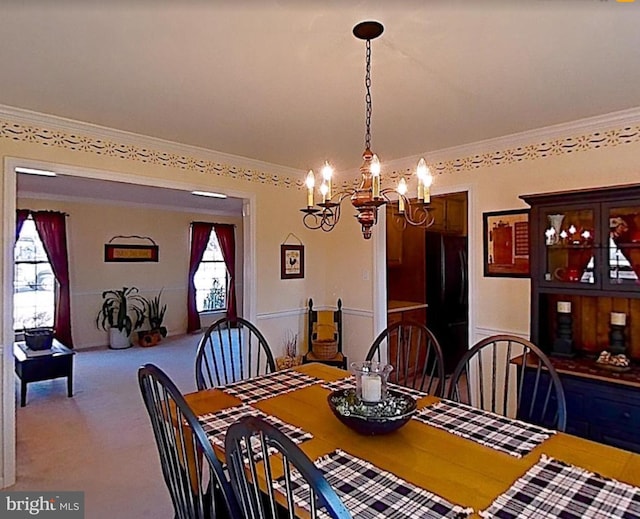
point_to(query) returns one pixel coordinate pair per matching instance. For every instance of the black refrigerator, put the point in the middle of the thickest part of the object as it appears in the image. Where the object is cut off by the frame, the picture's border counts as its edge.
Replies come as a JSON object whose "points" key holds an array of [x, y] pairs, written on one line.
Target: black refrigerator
{"points": [[447, 294]]}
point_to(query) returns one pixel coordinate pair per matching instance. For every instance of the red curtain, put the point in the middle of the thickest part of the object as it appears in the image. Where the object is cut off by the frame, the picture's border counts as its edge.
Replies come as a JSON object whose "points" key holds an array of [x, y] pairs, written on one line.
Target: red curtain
{"points": [[200, 232], [51, 227], [21, 216], [227, 239]]}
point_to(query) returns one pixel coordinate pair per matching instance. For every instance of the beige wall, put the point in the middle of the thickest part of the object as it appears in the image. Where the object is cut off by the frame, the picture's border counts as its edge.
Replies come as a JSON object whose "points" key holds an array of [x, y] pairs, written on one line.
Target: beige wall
{"points": [[91, 225]]}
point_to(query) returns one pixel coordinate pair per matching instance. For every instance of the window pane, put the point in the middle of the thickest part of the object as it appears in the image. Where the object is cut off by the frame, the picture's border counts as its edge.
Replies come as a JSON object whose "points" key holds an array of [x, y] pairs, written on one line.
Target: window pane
{"points": [[29, 247], [211, 279], [33, 292], [212, 252], [211, 286]]}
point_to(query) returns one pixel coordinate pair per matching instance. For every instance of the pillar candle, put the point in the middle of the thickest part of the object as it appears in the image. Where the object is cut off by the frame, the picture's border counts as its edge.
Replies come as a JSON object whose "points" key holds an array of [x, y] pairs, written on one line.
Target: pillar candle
{"points": [[371, 388], [311, 181], [564, 307], [376, 186], [618, 318]]}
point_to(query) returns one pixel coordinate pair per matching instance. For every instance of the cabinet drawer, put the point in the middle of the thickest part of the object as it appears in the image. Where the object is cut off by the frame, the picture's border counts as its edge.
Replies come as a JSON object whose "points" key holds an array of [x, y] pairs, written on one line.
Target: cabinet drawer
{"points": [[619, 413], [617, 435]]}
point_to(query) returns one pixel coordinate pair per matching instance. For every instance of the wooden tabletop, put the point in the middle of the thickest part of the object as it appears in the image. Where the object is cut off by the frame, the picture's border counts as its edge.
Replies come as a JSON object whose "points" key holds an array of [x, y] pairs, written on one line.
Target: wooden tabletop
{"points": [[459, 470]]}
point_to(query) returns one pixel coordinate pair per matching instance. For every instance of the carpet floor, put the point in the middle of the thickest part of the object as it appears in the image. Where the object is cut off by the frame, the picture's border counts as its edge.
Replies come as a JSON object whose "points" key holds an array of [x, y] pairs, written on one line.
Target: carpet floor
{"points": [[101, 441]]}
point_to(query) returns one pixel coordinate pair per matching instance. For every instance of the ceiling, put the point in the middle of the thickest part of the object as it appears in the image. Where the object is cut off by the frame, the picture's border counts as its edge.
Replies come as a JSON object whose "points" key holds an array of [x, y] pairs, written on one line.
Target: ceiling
{"points": [[96, 190], [282, 81]]}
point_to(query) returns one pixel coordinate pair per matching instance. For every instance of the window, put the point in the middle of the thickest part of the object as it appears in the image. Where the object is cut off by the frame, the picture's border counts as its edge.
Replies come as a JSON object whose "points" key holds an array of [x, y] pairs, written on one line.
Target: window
{"points": [[211, 278], [33, 281]]}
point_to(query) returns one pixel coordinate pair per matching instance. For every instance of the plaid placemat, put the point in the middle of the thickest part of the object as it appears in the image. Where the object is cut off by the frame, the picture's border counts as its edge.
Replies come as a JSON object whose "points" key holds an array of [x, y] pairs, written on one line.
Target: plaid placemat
{"points": [[553, 489], [492, 430], [369, 492], [252, 390], [216, 424], [349, 383]]}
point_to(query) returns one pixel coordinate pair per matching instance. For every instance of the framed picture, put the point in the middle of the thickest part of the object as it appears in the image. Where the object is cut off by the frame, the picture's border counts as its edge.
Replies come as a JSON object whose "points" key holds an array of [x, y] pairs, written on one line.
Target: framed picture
{"points": [[130, 253], [506, 243], [291, 261]]}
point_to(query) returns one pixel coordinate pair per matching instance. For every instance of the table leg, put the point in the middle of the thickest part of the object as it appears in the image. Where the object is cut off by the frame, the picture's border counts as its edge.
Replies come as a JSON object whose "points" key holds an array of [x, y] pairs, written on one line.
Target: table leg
{"points": [[70, 380], [23, 393]]}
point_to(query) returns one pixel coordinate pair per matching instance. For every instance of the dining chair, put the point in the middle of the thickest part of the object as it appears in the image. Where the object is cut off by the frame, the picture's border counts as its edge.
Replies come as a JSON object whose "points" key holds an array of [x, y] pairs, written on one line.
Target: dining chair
{"points": [[324, 336], [415, 354], [490, 376], [249, 447], [232, 350], [197, 483]]}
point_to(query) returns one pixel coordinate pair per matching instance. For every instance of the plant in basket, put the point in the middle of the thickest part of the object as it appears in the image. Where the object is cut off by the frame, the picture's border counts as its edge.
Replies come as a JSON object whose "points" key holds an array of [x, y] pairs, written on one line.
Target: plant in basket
{"points": [[154, 312]]}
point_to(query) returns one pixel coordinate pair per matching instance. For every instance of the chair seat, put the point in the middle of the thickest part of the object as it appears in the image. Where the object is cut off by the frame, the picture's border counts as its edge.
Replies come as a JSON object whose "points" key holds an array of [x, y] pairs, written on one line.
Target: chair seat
{"points": [[338, 360]]}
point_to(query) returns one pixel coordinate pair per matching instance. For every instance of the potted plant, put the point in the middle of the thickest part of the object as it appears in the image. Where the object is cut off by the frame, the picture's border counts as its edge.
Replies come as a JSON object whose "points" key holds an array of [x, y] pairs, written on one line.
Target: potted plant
{"points": [[154, 311], [37, 334], [122, 312]]}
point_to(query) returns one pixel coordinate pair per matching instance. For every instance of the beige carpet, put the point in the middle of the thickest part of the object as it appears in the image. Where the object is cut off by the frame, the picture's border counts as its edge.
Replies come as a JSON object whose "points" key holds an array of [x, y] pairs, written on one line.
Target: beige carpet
{"points": [[100, 441]]}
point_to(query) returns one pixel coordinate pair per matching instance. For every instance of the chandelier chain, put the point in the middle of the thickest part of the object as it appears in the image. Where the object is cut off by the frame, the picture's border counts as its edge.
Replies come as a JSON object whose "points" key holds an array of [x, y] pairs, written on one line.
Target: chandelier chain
{"points": [[367, 83]]}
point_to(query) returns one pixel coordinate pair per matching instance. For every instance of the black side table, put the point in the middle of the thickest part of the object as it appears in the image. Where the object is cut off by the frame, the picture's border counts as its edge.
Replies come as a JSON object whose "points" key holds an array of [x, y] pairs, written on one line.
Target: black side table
{"points": [[34, 367]]}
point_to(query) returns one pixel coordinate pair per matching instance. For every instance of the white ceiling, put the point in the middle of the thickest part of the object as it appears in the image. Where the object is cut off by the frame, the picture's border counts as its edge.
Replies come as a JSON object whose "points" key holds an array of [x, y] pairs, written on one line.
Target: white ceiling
{"points": [[64, 187], [282, 81]]}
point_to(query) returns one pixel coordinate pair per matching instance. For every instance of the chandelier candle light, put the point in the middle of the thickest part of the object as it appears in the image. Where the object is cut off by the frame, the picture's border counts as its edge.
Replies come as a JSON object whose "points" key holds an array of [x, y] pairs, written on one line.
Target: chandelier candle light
{"points": [[369, 195]]}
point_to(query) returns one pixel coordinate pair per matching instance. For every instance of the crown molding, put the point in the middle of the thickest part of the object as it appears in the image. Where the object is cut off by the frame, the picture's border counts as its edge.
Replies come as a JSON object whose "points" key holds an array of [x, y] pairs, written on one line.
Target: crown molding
{"points": [[28, 117], [622, 127], [621, 120]]}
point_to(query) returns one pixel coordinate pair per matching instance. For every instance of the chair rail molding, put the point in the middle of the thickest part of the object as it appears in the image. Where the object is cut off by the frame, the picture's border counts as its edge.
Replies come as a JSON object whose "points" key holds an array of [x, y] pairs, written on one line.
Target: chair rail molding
{"points": [[481, 332]]}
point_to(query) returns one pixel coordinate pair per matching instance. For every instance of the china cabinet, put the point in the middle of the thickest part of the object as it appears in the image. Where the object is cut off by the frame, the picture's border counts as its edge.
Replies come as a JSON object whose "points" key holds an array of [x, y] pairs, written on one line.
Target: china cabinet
{"points": [[585, 251], [585, 287]]}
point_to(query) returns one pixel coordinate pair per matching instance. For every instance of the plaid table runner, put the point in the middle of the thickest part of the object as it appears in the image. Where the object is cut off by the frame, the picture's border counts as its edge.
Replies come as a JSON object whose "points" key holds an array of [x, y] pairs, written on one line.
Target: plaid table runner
{"points": [[252, 390], [553, 489], [498, 432], [349, 383], [369, 492], [216, 424]]}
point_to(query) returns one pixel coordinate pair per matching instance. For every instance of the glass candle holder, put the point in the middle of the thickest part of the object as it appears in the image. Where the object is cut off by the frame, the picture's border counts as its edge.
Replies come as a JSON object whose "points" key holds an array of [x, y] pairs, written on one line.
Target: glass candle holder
{"points": [[371, 380]]}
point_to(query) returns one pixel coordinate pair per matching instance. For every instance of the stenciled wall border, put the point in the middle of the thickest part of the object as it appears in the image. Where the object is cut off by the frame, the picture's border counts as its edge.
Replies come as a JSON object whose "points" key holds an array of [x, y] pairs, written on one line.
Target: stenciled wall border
{"points": [[83, 141]]}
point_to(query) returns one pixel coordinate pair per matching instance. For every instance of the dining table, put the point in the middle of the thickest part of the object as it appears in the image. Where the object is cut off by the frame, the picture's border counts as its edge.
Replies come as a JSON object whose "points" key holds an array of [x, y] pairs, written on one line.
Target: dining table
{"points": [[468, 462]]}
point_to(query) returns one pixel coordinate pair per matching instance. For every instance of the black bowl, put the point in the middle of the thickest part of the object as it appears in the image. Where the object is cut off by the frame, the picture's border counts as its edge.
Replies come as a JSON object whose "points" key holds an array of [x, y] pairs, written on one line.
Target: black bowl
{"points": [[351, 412]]}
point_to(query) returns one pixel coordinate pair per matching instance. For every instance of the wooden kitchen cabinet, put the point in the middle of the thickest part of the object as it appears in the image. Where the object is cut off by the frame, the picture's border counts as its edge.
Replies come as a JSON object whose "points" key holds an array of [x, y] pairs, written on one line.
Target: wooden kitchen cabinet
{"points": [[395, 237], [406, 311], [449, 213]]}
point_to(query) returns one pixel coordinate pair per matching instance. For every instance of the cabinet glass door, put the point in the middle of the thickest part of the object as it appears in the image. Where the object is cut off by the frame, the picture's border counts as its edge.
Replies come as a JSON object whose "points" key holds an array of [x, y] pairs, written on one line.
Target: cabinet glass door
{"points": [[569, 239], [623, 246]]}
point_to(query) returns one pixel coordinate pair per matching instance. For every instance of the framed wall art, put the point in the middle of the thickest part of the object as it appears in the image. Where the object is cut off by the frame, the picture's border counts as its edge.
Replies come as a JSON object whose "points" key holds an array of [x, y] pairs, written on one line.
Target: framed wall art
{"points": [[506, 243], [128, 252], [291, 261]]}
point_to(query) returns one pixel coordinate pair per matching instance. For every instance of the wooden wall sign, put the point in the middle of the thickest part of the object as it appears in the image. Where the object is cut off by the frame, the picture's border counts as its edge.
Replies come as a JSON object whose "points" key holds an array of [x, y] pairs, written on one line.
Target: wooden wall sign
{"points": [[125, 252]]}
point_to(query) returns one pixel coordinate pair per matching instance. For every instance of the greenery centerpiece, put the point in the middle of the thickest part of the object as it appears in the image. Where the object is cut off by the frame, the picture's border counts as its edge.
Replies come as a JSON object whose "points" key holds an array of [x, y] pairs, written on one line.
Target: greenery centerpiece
{"points": [[122, 312]]}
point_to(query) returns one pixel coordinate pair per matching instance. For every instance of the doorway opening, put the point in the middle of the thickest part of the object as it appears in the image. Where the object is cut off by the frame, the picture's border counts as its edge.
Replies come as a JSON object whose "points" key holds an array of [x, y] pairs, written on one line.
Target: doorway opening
{"points": [[428, 274]]}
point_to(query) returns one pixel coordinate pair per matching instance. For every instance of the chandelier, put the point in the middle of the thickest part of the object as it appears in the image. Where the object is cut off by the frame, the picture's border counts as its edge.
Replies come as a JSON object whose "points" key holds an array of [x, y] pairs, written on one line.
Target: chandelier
{"points": [[369, 195]]}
